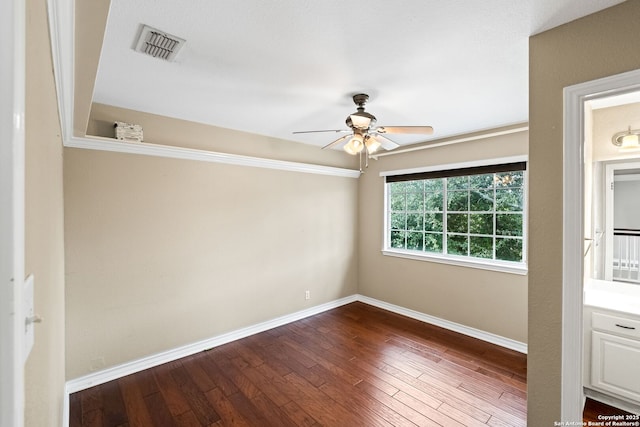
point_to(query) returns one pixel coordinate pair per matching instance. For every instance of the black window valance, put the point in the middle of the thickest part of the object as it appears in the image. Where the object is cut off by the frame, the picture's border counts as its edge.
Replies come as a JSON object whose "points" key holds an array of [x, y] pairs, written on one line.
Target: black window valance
{"points": [[447, 173]]}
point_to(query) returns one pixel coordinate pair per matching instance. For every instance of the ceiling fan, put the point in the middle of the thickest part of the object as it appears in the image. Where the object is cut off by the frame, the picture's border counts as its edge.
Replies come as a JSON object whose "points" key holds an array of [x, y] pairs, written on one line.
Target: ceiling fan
{"points": [[363, 137]]}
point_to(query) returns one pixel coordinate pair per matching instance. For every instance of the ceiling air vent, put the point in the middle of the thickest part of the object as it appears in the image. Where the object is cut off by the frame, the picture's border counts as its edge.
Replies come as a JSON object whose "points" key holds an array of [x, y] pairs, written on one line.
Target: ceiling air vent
{"points": [[158, 44]]}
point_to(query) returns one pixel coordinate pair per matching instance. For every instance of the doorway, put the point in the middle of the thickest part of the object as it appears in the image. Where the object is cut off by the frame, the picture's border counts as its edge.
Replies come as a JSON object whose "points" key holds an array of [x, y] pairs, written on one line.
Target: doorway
{"points": [[575, 97]]}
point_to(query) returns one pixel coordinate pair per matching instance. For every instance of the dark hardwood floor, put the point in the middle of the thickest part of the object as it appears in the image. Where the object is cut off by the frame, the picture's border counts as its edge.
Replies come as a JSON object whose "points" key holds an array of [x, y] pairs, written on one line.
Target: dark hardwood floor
{"points": [[355, 365], [594, 410]]}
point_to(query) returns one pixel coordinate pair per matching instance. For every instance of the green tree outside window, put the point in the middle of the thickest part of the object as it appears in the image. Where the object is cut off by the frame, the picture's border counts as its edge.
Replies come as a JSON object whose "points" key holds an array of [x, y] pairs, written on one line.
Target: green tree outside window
{"points": [[479, 216]]}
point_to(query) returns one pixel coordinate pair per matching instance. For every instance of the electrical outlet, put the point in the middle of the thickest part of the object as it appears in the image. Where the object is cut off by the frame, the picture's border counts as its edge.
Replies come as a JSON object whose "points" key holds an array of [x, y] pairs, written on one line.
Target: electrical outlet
{"points": [[307, 294]]}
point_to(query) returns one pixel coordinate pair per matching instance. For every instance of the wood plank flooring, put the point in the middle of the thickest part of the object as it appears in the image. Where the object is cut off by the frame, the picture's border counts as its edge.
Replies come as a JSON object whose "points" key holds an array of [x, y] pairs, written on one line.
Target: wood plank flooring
{"points": [[355, 365], [593, 410]]}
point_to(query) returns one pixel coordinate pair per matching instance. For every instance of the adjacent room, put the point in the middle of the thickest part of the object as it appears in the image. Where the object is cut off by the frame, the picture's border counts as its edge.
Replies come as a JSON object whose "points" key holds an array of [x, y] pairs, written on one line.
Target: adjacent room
{"points": [[301, 213], [612, 253]]}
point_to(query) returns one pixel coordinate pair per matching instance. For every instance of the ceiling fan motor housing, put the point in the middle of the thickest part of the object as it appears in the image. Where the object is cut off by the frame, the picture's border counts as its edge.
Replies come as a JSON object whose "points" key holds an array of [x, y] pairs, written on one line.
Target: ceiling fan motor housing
{"points": [[360, 119], [360, 99]]}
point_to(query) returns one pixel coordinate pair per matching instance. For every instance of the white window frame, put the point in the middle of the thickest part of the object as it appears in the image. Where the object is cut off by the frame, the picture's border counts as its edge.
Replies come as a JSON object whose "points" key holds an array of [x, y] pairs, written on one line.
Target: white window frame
{"points": [[458, 260]]}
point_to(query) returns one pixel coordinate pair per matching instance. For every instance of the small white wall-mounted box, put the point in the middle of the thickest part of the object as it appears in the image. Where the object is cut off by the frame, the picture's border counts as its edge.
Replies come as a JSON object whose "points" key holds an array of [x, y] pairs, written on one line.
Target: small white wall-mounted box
{"points": [[128, 132]]}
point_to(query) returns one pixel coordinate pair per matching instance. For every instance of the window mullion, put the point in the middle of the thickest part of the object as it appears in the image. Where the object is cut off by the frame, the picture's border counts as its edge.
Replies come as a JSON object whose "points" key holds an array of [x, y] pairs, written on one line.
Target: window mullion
{"points": [[495, 218], [445, 201], [406, 214], [468, 217], [387, 219]]}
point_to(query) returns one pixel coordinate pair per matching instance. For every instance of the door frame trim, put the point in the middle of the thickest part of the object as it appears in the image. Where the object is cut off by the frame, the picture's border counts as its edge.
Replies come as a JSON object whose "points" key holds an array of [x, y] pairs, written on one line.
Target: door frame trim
{"points": [[12, 220]]}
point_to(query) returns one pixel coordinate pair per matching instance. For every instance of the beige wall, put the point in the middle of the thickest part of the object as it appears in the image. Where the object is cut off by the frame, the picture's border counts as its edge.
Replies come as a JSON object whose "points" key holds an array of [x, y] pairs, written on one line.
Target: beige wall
{"points": [[44, 373], [206, 248], [163, 252], [459, 294], [596, 46]]}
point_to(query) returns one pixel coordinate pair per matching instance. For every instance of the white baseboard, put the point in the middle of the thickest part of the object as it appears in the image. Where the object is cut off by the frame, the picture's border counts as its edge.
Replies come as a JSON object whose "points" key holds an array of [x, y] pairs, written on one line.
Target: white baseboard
{"points": [[119, 371], [611, 401], [446, 324]]}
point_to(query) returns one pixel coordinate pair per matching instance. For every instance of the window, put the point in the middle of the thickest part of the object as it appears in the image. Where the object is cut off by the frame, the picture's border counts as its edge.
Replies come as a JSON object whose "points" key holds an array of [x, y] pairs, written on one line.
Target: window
{"points": [[473, 213]]}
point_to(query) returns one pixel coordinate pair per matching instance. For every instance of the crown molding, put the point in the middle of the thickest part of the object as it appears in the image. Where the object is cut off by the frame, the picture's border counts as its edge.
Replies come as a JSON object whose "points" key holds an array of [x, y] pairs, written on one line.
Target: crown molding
{"points": [[156, 150], [61, 31], [61, 24], [456, 140]]}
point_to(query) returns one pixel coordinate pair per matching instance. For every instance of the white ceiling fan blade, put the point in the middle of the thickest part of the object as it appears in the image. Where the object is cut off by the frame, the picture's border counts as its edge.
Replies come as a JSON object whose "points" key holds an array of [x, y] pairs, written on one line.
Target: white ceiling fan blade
{"points": [[318, 131], [331, 144], [385, 142], [422, 130]]}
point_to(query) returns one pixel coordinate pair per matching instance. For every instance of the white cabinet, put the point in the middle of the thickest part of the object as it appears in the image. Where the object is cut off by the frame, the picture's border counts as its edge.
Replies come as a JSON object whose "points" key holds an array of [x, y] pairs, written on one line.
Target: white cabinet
{"points": [[616, 324], [615, 355], [615, 365]]}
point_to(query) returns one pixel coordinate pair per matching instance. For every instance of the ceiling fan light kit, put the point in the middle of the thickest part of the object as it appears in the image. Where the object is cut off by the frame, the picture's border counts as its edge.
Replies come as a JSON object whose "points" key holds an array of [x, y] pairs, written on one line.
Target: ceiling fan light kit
{"points": [[372, 145], [355, 144], [365, 139]]}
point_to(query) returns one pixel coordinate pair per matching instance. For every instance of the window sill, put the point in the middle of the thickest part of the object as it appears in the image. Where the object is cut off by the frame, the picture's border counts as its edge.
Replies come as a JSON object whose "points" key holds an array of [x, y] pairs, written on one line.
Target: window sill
{"points": [[503, 267]]}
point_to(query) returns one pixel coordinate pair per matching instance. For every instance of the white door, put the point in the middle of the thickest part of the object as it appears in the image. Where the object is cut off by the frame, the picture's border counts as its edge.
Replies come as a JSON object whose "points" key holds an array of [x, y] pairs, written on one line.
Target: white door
{"points": [[12, 84]]}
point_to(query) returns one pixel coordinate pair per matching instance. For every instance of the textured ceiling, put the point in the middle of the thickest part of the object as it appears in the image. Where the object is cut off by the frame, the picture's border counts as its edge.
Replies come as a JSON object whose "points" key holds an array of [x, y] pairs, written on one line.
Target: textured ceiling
{"points": [[274, 67]]}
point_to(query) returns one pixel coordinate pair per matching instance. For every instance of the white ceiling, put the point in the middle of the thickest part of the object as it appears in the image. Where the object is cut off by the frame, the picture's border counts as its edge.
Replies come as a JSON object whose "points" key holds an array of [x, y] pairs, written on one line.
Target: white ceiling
{"points": [[274, 67], [616, 100]]}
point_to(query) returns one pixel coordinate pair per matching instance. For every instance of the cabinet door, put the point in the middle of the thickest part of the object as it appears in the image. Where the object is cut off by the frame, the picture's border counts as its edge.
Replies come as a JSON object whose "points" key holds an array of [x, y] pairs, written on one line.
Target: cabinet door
{"points": [[615, 365]]}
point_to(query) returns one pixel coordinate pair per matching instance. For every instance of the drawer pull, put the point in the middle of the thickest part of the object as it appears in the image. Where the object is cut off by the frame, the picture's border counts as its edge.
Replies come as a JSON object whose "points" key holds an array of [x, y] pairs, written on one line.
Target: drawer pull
{"points": [[624, 327]]}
